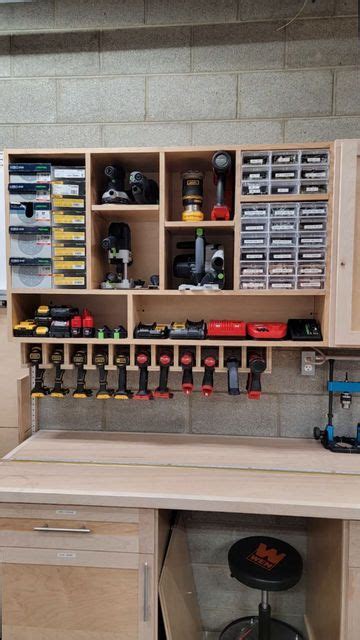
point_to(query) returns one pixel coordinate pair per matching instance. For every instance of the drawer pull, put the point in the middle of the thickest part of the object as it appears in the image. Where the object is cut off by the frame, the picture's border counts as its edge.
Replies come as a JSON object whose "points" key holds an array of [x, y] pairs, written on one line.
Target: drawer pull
{"points": [[48, 529]]}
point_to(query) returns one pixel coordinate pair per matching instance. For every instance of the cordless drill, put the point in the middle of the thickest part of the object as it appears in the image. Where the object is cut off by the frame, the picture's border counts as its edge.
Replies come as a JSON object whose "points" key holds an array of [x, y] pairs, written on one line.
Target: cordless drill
{"points": [[79, 360], [207, 386], [221, 162], [57, 359], [122, 393], [162, 391], [143, 361], [144, 190], [187, 361], [257, 365], [232, 365], [38, 390], [100, 361]]}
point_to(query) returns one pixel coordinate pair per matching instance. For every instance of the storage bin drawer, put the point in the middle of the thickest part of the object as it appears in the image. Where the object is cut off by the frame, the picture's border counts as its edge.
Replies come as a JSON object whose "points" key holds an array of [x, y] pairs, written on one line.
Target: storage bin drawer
{"points": [[119, 530]]}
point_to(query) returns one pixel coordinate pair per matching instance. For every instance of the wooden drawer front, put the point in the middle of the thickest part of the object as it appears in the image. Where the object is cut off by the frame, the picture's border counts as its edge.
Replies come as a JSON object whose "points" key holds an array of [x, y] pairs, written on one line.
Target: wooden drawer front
{"points": [[353, 609], [354, 544], [46, 533], [71, 512]]}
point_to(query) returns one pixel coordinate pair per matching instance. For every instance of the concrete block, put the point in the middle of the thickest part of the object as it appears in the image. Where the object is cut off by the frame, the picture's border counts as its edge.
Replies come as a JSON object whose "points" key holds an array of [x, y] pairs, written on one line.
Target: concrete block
{"points": [[321, 129], [220, 593], [197, 519], [146, 135], [101, 99], [263, 9], [169, 12], [285, 377], [346, 7], [300, 414], [68, 413], [58, 54], [67, 135], [153, 416], [191, 97], [24, 101], [347, 92], [27, 15], [209, 543], [328, 42], [244, 132], [148, 50], [4, 55], [238, 47], [7, 137], [285, 94], [345, 420], [98, 13], [228, 415]]}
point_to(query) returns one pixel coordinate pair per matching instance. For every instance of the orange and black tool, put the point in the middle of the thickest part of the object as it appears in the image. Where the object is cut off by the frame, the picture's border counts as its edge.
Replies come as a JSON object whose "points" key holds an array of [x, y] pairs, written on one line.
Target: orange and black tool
{"points": [[122, 393], [207, 386], [257, 366], [57, 359], [38, 390], [162, 391], [187, 362], [143, 361], [100, 361]]}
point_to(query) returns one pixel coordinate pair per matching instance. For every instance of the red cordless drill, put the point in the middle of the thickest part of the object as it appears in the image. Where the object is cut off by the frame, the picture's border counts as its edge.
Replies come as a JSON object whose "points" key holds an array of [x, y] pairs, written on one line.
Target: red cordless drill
{"points": [[162, 391], [257, 365], [187, 362], [143, 361], [207, 386]]}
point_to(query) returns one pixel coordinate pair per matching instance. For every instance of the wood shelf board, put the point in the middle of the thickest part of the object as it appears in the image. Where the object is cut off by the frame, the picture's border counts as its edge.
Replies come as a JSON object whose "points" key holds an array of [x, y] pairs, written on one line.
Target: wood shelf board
{"points": [[171, 225], [168, 342], [127, 213], [168, 292]]}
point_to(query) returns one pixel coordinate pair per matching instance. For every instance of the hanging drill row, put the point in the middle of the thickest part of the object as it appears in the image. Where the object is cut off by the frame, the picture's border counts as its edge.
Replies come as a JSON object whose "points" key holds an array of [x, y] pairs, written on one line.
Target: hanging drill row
{"points": [[256, 361]]}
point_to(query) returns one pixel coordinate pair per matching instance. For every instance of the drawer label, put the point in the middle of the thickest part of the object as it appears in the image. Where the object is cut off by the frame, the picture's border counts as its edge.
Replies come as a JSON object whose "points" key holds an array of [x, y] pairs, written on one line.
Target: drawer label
{"points": [[66, 555], [66, 512]]}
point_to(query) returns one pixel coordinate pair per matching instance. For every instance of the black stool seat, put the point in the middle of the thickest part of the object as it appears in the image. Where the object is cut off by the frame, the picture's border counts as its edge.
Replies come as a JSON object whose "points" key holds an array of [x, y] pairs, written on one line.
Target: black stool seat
{"points": [[265, 563]]}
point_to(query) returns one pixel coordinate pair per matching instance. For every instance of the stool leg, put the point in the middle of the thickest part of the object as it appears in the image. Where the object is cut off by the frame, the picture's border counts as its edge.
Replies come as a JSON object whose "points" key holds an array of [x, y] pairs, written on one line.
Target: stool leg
{"points": [[264, 617]]}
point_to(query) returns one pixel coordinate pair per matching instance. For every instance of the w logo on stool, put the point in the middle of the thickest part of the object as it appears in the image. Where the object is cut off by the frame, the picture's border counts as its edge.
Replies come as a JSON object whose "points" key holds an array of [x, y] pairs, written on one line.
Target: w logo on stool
{"points": [[266, 557]]}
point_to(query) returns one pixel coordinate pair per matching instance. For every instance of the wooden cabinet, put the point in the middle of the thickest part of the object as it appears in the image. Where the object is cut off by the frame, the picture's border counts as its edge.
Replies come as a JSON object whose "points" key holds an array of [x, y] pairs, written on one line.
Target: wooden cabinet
{"points": [[345, 287], [79, 572]]}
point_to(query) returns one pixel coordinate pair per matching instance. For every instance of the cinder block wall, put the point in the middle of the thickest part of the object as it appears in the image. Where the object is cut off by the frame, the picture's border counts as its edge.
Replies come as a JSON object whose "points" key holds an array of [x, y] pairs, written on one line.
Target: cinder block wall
{"points": [[162, 72]]}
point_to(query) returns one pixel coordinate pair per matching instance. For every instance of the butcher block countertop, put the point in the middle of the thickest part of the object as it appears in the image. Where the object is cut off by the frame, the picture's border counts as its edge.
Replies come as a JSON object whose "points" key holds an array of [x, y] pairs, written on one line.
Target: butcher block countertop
{"points": [[213, 473]]}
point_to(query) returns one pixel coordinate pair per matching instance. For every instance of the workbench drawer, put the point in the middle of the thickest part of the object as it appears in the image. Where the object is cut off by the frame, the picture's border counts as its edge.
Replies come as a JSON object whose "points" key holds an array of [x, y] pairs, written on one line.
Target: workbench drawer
{"points": [[128, 531], [354, 544]]}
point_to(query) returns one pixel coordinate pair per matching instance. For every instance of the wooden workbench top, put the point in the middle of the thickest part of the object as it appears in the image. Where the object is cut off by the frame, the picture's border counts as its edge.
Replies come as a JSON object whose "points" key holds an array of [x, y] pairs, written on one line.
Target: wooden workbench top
{"points": [[284, 477], [266, 454]]}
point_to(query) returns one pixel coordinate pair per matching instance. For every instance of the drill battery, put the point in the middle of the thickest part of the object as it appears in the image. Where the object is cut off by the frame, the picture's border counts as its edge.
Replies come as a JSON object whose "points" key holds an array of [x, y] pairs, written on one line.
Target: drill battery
{"points": [[226, 329], [188, 330], [154, 330]]}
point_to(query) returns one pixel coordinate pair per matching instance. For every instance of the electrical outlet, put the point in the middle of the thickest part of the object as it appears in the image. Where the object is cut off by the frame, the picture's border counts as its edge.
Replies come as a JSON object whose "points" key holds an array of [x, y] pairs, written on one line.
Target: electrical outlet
{"points": [[308, 363]]}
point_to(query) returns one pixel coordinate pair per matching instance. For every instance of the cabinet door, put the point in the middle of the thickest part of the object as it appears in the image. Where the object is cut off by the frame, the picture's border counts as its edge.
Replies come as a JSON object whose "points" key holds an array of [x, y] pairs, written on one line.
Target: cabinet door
{"points": [[346, 276], [59, 595]]}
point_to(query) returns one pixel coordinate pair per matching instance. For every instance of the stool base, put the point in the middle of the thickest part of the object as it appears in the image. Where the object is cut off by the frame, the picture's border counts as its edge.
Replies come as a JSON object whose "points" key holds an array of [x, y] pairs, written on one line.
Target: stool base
{"points": [[248, 629]]}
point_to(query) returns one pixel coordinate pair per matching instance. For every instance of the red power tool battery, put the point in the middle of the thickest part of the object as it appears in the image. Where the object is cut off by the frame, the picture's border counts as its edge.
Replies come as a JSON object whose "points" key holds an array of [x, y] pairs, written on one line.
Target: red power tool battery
{"points": [[267, 330], [226, 329]]}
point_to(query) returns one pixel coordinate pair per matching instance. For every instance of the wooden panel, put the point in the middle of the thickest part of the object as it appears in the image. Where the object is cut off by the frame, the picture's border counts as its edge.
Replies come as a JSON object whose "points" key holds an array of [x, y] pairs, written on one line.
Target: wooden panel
{"points": [[54, 603], [10, 371], [324, 569], [103, 536], [68, 513], [177, 591], [347, 232], [179, 450], [354, 544], [353, 608]]}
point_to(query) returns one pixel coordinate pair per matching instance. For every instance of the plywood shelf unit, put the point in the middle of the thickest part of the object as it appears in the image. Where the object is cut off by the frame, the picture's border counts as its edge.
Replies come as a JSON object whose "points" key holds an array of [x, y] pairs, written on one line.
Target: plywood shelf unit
{"points": [[155, 230]]}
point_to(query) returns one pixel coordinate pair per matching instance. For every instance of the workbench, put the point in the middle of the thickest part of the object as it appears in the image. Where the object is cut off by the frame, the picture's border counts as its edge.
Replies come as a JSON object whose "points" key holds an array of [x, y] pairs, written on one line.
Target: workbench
{"points": [[119, 489]]}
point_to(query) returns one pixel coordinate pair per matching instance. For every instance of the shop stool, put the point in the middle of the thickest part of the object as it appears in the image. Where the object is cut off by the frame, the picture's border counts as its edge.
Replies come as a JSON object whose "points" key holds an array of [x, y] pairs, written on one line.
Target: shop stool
{"points": [[267, 564]]}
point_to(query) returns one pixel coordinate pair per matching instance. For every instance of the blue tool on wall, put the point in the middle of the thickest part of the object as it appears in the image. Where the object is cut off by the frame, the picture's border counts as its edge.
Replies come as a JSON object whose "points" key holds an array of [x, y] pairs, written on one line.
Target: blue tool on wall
{"points": [[327, 437]]}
